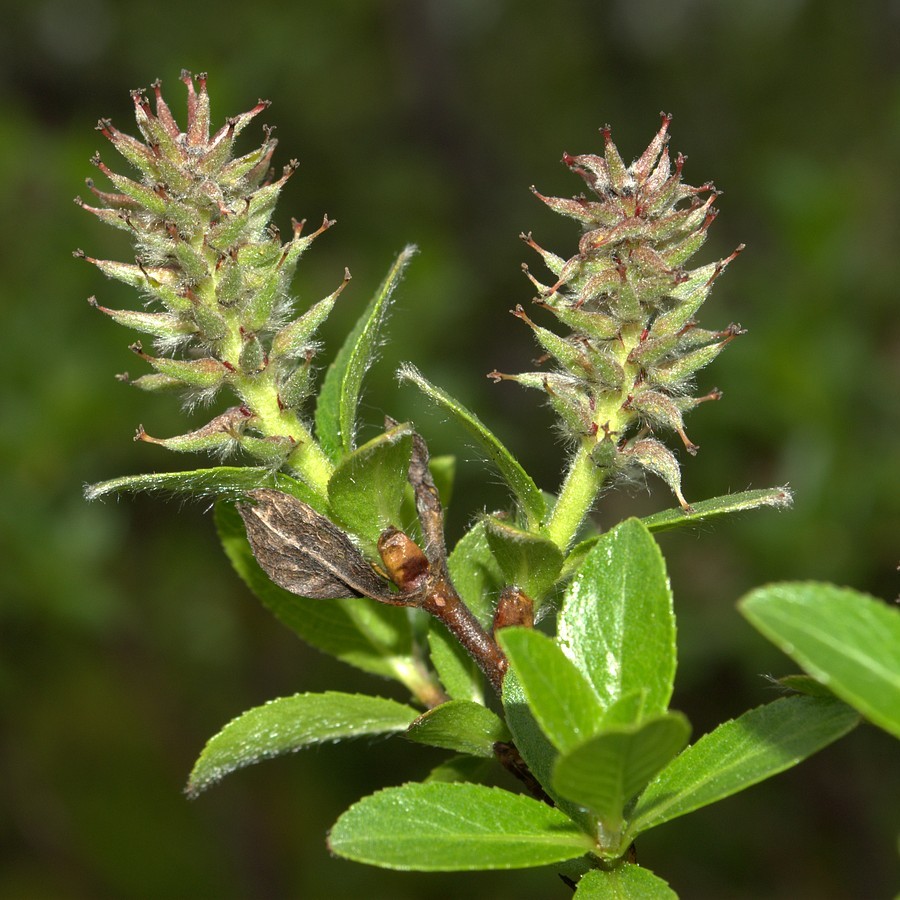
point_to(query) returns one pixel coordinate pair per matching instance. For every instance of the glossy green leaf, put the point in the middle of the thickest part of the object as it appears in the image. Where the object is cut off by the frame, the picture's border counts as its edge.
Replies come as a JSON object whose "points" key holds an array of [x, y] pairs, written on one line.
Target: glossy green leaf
{"points": [[627, 710], [441, 827], [339, 397], [292, 723], [519, 481], [475, 573], [560, 697], [848, 641], [457, 671], [527, 560], [460, 725], [606, 771], [707, 510], [617, 623], [367, 488], [371, 636], [740, 753], [626, 882], [223, 482]]}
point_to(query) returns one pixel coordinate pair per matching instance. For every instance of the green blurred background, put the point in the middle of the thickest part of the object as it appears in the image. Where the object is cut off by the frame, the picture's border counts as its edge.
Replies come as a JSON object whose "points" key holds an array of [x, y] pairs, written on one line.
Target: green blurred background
{"points": [[125, 640]]}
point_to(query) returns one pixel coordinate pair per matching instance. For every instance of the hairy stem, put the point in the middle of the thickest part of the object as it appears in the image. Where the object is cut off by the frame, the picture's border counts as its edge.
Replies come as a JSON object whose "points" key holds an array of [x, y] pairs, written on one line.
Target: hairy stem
{"points": [[580, 488]]}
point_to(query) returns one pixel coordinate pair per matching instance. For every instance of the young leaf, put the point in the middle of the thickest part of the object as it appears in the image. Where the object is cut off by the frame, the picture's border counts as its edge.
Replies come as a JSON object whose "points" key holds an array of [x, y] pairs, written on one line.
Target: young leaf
{"points": [[520, 482], [848, 641], [441, 827], [367, 488], [560, 697], [617, 624], [625, 882], [576, 556], [740, 753], [606, 771], [303, 552], [539, 754], [290, 724], [460, 725], [527, 560], [341, 387], [475, 573], [223, 482], [474, 769], [372, 636], [457, 671], [804, 684], [706, 510], [531, 742]]}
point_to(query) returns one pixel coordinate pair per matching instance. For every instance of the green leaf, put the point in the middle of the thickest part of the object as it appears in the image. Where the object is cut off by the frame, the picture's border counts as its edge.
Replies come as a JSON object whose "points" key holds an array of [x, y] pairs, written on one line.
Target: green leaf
{"points": [[606, 771], [475, 573], [527, 560], [456, 670], [292, 723], [706, 510], [617, 622], [339, 397], [740, 753], [531, 742], [441, 827], [804, 684], [848, 641], [443, 473], [539, 754], [372, 636], [224, 482], [626, 882], [576, 556], [519, 481], [367, 488], [473, 769], [462, 726], [558, 694]]}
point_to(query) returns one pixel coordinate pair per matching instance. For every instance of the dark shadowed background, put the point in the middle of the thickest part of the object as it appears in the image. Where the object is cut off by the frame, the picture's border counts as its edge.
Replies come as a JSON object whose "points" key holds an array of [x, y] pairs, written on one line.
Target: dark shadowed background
{"points": [[125, 639]]}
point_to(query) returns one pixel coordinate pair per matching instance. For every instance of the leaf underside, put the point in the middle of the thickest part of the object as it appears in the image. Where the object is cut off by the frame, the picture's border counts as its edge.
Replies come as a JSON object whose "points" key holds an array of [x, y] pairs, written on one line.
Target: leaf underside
{"points": [[848, 641]]}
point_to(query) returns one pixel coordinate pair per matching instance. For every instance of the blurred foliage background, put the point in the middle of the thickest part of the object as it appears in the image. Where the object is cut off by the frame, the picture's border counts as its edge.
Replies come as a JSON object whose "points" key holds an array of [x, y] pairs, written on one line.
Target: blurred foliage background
{"points": [[125, 639]]}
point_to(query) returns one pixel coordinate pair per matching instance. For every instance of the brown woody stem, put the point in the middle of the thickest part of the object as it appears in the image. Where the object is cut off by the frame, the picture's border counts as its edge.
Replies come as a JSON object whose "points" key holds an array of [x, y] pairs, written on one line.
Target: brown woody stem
{"points": [[442, 602], [440, 597]]}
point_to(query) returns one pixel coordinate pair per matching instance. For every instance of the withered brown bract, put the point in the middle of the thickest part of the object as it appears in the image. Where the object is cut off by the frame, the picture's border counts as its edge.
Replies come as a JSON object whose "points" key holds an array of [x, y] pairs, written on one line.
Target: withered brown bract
{"points": [[305, 553]]}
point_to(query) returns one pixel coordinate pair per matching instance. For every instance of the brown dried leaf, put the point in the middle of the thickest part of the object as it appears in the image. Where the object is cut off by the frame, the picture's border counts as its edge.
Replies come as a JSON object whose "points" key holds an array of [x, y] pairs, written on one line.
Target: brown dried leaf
{"points": [[305, 553]]}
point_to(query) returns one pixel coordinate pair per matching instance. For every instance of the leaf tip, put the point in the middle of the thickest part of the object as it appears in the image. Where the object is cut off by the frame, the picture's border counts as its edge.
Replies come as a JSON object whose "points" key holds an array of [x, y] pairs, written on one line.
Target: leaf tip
{"points": [[784, 498], [99, 489], [408, 252], [408, 372]]}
